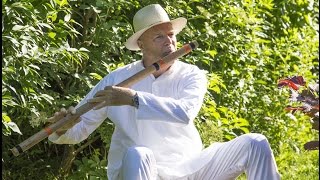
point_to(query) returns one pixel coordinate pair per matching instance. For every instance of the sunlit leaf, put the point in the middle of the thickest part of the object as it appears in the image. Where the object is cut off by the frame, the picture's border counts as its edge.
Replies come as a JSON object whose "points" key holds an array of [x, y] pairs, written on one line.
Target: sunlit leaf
{"points": [[212, 53], [13, 126], [52, 35], [72, 49], [67, 17], [5, 118], [34, 66], [17, 27], [259, 81], [84, 49], [24, 49], [96, 76]]}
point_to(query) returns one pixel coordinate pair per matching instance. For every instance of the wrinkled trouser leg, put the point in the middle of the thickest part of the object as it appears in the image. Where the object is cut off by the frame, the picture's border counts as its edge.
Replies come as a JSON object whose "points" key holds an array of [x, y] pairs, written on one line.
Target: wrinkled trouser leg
{"points": [[249, 153], [139, 164]]}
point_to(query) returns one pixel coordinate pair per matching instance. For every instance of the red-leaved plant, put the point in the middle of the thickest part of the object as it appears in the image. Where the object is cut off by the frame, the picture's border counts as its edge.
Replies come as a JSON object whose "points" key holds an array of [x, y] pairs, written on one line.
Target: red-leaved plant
{"points": [[308, 97]]}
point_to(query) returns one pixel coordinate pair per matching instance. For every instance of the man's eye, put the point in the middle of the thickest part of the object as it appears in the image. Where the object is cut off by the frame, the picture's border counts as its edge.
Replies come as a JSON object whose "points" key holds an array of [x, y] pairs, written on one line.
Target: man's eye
{"points": [[159, 37]]}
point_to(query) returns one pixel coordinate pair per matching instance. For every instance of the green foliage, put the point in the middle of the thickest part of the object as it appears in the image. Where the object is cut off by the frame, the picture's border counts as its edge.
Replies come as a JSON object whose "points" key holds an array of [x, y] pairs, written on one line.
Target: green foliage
{"points": [[90, 168], [38, 67], [55, 51], [37, 59], [308, 162]]}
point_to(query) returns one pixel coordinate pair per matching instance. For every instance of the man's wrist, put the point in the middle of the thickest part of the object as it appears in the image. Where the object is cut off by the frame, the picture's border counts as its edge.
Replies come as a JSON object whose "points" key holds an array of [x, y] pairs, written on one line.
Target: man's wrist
{"points": [[135, 100]]}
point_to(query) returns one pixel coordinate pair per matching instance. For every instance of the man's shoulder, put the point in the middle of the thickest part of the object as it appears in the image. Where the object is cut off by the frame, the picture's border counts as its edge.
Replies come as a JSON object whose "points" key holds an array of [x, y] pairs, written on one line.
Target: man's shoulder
{"points": [[189, 71], [186, 67]]}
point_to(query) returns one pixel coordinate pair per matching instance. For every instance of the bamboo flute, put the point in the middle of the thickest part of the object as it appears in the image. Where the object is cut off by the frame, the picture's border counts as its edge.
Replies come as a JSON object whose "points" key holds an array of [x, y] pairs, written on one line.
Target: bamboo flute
{"points": [[44, 133]]}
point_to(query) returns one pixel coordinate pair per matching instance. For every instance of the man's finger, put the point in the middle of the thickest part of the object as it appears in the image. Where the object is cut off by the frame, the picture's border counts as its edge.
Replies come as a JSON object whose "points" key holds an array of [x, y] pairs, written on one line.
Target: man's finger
{"points": [[101, 105], [63, 110], [72, 110], [51, 119], [97, 99], [109, 87], [102, 93], [57, 116]]}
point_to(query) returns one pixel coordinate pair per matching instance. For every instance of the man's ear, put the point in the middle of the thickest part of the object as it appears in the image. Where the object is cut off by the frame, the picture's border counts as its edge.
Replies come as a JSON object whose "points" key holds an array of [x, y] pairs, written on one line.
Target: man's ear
{"points": [[140, 44]]}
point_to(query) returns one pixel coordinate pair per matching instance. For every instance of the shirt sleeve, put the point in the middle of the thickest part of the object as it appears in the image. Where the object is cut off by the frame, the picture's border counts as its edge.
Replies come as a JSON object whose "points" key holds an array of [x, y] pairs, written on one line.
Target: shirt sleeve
{"points": [[181, 110], [89, 121]]}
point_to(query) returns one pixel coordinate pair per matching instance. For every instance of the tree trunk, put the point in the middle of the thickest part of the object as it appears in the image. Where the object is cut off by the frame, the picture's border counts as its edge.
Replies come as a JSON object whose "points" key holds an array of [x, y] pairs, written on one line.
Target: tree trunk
{"points": [[67, 160]]}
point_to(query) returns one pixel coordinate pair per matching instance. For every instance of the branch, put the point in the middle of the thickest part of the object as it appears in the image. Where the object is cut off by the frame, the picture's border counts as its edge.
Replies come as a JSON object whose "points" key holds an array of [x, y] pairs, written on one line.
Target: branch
{"points": [[86, 144]]}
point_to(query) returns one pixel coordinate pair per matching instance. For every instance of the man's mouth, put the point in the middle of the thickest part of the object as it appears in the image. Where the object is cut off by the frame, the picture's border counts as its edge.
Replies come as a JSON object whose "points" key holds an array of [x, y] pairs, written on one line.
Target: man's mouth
{"points": [[169, 51], [166, 53]]}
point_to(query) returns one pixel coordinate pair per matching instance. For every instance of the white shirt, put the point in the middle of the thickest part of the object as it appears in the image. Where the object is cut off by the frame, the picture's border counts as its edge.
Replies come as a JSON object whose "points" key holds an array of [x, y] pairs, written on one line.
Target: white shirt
{"points": [[163, 122]]}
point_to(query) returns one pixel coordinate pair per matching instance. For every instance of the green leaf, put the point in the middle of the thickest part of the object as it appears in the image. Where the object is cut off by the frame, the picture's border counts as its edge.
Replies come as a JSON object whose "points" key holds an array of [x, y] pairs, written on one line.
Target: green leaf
{"points": [[62, 2], [24, 49], [17, 27], [96, 76], [13, 40], [8, 101], [241, 122], [216, 115], [53, 16], [23, 101], [13, 126], [34, 66], [67, 17], [5, 118], [52, 35], [47, 97], [215, 89], [25, 70], [223, 109], [212, 53], [244, 129], [72, 49], [13, 89], [45, 25], [261, 82], [84, 49]]}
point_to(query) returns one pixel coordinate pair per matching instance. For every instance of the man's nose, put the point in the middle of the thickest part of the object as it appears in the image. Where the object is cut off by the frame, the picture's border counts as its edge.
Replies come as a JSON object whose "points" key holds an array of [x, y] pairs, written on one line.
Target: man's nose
{"points": [[168, 39]]}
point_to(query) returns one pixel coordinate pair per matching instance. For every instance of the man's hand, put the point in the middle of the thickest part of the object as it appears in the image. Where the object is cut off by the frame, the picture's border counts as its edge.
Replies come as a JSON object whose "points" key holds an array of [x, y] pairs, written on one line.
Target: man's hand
{"points": [[59, 115], [113, 96]]}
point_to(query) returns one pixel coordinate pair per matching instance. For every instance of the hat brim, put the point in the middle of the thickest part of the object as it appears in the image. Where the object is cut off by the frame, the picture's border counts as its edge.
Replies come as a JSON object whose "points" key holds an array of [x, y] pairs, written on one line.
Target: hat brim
{"points": [[177, 25]]}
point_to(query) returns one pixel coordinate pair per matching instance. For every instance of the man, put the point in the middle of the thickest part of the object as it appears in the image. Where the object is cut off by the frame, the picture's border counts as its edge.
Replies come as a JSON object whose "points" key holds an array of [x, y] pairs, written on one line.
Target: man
{"points": [[155, 136]]}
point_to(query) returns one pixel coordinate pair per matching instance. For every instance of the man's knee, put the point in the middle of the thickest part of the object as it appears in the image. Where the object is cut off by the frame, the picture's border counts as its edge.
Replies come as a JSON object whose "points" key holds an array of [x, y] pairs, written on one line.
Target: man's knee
{"points": [[139, 163], [257, 142], [138, 153], [254, 137]]}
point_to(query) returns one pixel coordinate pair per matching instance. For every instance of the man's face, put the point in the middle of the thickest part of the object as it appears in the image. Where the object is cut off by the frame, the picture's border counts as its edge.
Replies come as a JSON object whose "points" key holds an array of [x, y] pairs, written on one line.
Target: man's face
{"points": [[158, 41]]}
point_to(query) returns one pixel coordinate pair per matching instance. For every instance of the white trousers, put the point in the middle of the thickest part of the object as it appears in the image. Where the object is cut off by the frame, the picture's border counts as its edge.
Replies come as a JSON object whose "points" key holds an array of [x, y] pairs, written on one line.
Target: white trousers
{"points": [[249, 153]]}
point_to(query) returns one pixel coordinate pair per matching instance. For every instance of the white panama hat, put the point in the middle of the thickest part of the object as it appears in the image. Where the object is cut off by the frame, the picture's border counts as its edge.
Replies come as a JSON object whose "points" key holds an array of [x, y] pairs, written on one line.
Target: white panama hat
{"points": [[148, 17]]}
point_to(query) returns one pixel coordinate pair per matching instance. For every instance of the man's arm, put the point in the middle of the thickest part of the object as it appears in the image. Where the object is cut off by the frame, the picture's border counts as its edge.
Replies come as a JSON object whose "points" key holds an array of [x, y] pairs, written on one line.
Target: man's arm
{"points": [[181, 110], [79, 130]]}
